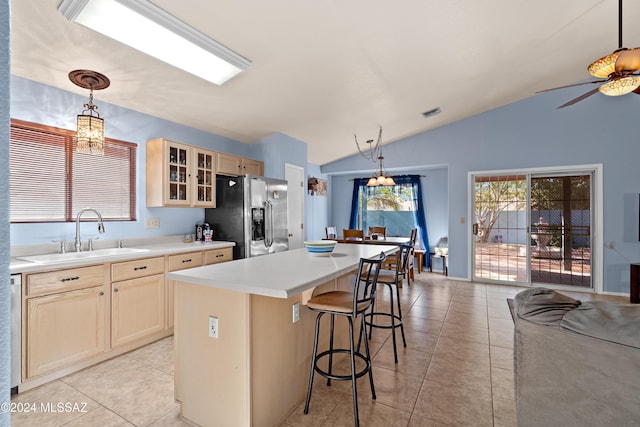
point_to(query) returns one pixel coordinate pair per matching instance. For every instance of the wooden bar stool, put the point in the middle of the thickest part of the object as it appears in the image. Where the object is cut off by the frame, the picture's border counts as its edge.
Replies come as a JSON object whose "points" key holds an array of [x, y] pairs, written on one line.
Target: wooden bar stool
{"points": [[351, 305]]}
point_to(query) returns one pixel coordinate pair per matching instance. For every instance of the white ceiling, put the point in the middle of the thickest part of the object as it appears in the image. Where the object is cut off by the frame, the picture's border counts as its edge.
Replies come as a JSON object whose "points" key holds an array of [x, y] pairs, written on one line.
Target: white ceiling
{"points": [[324, 70]]}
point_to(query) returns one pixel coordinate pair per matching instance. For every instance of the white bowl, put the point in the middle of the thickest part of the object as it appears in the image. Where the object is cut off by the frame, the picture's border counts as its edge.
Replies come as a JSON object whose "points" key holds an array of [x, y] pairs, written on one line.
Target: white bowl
{"points": [[320, 247]]}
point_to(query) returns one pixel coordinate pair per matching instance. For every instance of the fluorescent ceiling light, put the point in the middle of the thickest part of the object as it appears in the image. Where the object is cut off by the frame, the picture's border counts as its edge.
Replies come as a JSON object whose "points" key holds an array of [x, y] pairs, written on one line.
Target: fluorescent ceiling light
{"points": [[149, 29]]}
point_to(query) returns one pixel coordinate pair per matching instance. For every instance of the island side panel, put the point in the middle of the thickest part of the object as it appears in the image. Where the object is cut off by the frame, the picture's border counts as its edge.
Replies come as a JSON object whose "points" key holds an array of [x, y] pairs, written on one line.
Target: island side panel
{"points": [[212, 374], [281, 352]]}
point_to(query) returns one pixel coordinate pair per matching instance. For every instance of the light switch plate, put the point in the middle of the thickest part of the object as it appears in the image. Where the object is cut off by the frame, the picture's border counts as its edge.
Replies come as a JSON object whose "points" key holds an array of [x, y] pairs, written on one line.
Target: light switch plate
{"points": [[152, 223]]}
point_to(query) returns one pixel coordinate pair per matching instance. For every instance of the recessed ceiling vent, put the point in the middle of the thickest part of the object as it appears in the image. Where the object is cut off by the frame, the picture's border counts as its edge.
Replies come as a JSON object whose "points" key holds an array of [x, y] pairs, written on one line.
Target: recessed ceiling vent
{"points": [[431, 112]]}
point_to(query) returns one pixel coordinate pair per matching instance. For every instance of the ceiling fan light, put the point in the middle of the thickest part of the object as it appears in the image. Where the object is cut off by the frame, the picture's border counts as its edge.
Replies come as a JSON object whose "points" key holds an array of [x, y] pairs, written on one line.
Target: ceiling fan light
{"points": [[604, 66], [620, 86], [628, 61]]}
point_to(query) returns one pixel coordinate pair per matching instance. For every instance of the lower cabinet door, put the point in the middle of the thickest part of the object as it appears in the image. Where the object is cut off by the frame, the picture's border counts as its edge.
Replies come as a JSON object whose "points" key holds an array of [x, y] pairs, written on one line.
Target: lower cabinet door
{"points": [[63, 329], [137, 308]]}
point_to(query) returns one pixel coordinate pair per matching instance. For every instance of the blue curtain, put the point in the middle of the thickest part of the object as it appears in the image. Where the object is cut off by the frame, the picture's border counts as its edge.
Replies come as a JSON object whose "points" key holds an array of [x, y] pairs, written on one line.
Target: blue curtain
{"points": [[412, 182], [358, 184], [418, 214]]}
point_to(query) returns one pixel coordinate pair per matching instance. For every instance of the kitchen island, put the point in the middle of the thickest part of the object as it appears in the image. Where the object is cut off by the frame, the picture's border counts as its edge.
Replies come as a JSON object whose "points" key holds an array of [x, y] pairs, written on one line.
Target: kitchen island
{"points": [[256, 371]]}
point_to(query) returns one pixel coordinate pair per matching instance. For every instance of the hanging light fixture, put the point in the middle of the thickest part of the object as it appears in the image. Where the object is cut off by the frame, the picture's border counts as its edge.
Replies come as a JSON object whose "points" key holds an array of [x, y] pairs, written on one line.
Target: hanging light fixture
{"points": [[90, 131], [374, 153], [380, 177]]}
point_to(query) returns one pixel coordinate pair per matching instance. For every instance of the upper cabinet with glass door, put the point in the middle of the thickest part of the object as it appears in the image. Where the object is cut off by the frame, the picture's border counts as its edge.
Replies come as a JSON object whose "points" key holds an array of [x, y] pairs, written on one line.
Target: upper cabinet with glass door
{"points": [[204, 194], [179, 175]]}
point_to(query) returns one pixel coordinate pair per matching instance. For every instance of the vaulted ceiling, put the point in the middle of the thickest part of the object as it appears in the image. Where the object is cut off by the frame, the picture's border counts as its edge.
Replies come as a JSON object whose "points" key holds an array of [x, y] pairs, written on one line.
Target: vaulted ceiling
{"points": [[323, 71]]}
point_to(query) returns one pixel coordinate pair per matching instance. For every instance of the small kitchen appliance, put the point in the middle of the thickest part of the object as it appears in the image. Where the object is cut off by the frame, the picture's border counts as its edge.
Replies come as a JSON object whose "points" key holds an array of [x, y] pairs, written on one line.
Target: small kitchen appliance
{"points": [[202, 231]]}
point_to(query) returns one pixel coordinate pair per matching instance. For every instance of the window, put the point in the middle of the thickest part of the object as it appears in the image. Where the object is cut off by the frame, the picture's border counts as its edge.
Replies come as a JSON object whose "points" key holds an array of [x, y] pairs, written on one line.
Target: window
{"points": [[399, 208], [50, 182]]}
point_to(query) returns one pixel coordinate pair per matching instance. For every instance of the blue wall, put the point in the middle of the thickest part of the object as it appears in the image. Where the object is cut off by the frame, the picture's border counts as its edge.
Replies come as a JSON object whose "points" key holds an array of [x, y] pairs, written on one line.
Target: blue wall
{"points": [[35, 102], [4, 210], [532, 134]]}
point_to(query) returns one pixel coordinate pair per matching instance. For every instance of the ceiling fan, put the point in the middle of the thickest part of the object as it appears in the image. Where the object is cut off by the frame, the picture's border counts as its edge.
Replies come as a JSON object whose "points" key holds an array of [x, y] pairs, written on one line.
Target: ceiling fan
{"points": [[617, 71]]}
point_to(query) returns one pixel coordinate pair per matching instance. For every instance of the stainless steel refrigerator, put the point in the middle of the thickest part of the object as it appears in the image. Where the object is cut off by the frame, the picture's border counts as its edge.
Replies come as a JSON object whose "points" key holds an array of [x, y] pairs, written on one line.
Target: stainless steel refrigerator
{"points": [[252, 212]]}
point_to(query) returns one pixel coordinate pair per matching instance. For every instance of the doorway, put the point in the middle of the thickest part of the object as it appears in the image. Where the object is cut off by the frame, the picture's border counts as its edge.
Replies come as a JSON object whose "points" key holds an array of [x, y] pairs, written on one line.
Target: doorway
{"points": [[295, 204], [534, 228]]}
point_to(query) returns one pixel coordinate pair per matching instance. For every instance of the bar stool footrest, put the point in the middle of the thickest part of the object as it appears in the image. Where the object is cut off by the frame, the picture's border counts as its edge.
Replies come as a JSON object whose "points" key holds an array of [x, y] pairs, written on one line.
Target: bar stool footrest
{"points": [[398, 320], [357, 354]]}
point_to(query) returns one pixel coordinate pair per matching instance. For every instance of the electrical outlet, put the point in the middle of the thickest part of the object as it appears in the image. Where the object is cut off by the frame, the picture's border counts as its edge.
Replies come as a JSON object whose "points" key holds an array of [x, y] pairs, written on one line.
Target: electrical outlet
{"points": [[213, 327], [152, 223], [296, 312]]}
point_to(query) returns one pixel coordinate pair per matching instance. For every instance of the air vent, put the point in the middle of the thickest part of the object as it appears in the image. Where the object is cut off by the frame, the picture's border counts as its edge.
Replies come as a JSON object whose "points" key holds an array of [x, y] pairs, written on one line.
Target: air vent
{"points": [[431, 112]]}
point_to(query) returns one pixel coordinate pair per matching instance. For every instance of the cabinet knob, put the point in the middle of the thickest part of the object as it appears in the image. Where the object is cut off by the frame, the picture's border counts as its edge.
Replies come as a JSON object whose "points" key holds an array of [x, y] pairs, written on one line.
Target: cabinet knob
{"points": [[101, 293], [115, 290]]}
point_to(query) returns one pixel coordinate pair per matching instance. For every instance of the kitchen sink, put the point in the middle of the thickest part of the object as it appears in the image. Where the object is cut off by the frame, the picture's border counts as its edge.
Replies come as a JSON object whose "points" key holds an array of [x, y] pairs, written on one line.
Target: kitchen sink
{"points": [[74, 256]]}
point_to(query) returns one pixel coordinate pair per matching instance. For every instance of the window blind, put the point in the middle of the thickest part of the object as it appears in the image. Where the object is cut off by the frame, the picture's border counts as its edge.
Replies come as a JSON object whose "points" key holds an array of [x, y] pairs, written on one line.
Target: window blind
{"points": [[50, 182]]}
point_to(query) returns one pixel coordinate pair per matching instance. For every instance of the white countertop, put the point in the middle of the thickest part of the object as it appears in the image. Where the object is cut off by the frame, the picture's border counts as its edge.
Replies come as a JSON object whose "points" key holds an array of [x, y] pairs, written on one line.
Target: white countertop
{"points": [[154, 249], [283, 274]]}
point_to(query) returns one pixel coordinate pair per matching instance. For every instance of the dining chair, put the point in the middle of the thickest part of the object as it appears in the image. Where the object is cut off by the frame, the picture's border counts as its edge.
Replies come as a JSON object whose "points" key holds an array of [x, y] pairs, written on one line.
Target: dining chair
{"points": [[331, 232], [350, 234], [392, 260], [378, 230]]}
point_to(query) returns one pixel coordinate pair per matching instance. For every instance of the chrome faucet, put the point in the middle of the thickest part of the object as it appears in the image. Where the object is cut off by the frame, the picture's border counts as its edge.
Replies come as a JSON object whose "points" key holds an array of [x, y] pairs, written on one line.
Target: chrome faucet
{"points": [[78, 243]]}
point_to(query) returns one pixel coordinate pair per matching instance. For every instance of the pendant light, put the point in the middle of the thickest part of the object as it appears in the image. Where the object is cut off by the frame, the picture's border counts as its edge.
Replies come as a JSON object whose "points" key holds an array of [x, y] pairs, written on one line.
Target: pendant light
{"points": [[380, 177], [372, 153], [90, 127]]}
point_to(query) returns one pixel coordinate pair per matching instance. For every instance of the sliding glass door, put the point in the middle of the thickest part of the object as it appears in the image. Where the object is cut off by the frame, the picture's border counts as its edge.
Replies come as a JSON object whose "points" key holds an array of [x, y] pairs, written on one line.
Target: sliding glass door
{"points": [[561, 230], [533, 229], [500, 228]]}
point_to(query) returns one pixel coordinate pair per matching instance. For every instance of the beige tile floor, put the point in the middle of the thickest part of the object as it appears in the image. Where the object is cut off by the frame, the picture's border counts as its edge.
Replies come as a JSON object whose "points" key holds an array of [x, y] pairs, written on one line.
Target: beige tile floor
{"points": [[455, 371]]}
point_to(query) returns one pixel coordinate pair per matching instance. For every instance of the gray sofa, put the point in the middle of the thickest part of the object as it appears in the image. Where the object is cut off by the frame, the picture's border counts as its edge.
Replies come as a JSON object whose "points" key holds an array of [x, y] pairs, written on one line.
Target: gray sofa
{"points": [[576, 363]]}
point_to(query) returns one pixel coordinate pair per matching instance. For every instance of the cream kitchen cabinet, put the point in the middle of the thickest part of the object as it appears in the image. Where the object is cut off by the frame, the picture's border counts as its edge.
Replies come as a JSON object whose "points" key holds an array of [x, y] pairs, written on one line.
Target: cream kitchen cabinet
{"points": [[180, 175], [215, 256], [175, 263], [137, 300], [229, 164], [64, 321]]}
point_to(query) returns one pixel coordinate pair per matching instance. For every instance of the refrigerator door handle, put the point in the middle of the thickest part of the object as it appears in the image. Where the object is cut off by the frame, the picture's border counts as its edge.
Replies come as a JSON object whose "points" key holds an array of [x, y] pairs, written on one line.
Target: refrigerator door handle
{"points": [[268, 208]]}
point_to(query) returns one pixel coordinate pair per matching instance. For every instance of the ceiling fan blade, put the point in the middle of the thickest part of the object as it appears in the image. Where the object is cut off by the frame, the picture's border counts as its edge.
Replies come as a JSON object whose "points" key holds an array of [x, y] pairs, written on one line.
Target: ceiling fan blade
{"points": [[575, 84], [578, 99], [628, 61]]}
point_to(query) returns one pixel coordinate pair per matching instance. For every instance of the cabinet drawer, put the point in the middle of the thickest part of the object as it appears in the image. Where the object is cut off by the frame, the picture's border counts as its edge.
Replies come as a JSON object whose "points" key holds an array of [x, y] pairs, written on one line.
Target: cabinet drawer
{"points": [[182, 261], [136, 268], [64, 280], [218, 255]]}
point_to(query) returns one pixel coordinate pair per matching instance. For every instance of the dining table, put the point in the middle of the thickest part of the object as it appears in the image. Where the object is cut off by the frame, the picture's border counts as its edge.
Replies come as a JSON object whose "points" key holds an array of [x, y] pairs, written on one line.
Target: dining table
{"points": [[389, 240]]}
